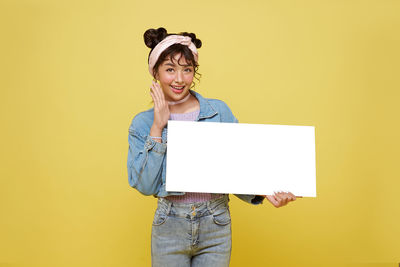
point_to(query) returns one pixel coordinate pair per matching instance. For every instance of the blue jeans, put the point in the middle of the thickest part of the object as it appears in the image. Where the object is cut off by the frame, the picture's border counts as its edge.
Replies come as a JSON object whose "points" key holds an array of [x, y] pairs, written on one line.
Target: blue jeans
{"points": [[194, 234]]}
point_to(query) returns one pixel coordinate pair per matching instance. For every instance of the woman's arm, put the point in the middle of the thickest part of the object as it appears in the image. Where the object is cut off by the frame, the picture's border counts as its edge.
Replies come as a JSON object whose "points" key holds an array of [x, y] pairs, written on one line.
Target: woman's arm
{"points": [[146, 156], [145, 162]]}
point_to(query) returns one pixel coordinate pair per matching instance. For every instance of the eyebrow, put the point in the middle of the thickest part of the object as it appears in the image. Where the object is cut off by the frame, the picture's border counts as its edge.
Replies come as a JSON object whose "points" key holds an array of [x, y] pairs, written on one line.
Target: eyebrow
{"points": [[173, 65]]}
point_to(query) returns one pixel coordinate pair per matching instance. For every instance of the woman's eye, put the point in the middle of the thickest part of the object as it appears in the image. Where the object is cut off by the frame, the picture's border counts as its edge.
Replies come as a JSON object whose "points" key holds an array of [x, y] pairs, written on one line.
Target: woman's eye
{"points": [[170, 69], [188, 70]]}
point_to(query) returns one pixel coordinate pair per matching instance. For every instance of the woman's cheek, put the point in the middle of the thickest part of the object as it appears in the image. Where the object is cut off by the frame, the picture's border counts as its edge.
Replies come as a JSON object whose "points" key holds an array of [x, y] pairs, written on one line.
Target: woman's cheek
{"points": [[170, 79], [189, 79]]}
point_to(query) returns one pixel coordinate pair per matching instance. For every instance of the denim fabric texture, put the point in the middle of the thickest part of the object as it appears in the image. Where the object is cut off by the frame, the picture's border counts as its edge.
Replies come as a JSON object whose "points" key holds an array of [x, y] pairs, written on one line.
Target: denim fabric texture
{"points": [[147, 158], [191, 234]]}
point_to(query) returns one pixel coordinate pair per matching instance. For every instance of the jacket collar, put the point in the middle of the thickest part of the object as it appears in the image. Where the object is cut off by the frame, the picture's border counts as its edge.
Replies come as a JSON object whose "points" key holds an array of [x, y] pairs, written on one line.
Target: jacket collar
{"points": [[207, 110]]}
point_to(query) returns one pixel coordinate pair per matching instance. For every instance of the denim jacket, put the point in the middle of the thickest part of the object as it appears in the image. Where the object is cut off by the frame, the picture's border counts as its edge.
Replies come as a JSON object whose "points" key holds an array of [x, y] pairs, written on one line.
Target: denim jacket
{"points": [[147, 158]]}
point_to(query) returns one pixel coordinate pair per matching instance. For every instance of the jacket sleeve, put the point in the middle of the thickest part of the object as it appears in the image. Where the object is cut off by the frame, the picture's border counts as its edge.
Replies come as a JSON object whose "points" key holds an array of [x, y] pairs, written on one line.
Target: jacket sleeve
{"points": [[145, 162], [252, 199]]}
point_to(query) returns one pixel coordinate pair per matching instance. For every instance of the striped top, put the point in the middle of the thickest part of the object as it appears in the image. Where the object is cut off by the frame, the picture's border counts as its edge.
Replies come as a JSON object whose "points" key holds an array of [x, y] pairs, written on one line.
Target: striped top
{"points": [[190, 197]]}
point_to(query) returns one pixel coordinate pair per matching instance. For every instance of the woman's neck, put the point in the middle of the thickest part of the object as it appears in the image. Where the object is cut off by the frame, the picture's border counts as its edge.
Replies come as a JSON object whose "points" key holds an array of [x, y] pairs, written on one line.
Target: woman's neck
{"points": [[190, 105]]}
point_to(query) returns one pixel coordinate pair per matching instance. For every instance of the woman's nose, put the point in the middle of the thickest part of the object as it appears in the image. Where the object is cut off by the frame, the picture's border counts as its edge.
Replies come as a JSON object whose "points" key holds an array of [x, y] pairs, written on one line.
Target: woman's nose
{"points": [[179, 77]]}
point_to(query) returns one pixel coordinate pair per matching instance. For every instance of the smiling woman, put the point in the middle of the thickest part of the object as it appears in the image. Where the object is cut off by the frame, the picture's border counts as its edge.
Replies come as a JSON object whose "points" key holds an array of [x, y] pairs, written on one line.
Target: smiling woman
{"points": [[189, 228], [164, 46], [175, 76]]}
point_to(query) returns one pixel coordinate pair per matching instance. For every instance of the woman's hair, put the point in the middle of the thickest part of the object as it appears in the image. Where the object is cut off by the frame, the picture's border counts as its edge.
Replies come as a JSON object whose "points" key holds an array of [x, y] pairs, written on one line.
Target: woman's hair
{"points": [[153, 36]]}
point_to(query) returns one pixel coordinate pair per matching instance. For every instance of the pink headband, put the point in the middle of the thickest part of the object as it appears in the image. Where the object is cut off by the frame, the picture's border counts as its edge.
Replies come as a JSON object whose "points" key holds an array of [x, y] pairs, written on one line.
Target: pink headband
{"points": [[167, 42]]}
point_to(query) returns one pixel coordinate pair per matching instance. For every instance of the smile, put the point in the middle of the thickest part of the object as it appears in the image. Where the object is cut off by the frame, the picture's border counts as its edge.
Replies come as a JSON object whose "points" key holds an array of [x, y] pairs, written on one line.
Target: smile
{"points": [[177, 90], [178, 87]]}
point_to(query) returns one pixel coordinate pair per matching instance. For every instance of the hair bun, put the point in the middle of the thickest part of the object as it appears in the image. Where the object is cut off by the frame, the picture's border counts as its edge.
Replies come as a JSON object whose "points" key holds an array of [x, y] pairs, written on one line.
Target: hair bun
{"points": [[197, 42], [153, 36]]}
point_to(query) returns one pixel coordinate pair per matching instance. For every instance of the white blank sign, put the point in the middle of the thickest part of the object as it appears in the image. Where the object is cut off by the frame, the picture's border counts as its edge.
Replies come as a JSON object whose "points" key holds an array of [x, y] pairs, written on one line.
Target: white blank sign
{"points": [[240, 158]]}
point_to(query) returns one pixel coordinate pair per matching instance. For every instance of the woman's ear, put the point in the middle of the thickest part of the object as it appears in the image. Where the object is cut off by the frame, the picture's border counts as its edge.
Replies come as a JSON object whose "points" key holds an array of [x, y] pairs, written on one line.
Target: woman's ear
{"points": [[155, 76]]}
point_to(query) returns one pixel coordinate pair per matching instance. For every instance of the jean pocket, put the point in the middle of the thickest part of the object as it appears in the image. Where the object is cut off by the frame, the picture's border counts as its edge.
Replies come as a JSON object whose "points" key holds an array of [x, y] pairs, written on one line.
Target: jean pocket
{"points": [[159, 218], [222, 216]]}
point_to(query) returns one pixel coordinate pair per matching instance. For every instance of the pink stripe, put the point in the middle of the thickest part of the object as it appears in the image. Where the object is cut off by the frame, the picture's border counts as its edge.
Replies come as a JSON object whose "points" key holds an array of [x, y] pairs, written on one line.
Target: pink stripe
{"points": [[190, 197]]}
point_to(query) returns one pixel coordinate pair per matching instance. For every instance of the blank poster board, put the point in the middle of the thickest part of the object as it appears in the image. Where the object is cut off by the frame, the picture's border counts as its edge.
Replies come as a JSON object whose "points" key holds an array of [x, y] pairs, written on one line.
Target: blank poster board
{"points": [[240, 158]]}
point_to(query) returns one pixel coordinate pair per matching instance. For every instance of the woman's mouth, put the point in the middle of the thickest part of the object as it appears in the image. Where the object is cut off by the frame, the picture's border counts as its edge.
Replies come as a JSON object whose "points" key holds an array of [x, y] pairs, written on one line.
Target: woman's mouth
{"points": [[177, 89]]}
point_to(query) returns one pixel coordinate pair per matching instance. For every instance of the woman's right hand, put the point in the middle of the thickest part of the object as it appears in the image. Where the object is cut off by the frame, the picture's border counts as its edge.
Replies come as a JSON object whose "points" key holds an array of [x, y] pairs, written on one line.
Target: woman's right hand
{"points": [[281, 198], [161, 108]]}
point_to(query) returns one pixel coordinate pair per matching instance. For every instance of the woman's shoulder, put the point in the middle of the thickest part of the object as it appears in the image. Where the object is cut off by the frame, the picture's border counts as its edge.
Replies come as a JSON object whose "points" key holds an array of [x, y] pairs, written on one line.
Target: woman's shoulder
{"points": [[212, 101], [223, 109], [142, 121], [219, 104], [216, 101]]}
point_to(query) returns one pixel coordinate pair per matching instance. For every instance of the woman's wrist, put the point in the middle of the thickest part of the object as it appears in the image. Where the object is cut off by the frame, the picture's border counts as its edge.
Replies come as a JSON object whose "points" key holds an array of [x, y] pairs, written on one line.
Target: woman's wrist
{"points": [[155, 134]]}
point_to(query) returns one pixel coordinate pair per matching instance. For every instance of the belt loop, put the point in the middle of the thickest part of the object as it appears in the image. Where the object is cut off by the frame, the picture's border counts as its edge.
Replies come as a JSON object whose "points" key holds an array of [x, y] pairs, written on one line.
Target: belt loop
{"points": [[166, 202], [209, 207]]}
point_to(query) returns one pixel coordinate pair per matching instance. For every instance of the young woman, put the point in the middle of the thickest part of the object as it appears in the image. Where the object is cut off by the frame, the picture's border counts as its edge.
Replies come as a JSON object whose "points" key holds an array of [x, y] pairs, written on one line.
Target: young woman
{"points": [[189, 229]]}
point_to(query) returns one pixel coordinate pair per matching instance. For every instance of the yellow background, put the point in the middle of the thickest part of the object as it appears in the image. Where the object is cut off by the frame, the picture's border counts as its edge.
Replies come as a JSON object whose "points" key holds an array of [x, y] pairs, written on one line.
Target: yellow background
{"points": [[74, 73]]}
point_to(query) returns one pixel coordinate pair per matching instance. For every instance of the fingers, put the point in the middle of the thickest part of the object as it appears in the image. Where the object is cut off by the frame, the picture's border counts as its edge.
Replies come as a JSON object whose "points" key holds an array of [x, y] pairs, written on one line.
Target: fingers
{"points": [[283, 198], [156, 96], [161, 108], [156, 90], [278, 196], [153, 97], [274, 201], [162, 103], [292, 197], [159, 92]]}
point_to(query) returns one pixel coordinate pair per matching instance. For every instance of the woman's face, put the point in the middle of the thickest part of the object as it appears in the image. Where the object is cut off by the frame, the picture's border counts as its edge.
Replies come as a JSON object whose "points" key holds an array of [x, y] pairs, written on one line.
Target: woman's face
{"points": [[175, 79]]}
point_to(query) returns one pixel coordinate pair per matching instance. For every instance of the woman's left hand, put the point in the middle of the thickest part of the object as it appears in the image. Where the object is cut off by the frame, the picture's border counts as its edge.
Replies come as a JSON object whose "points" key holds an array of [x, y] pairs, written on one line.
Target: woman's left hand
{"points": [[280, 199]]}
